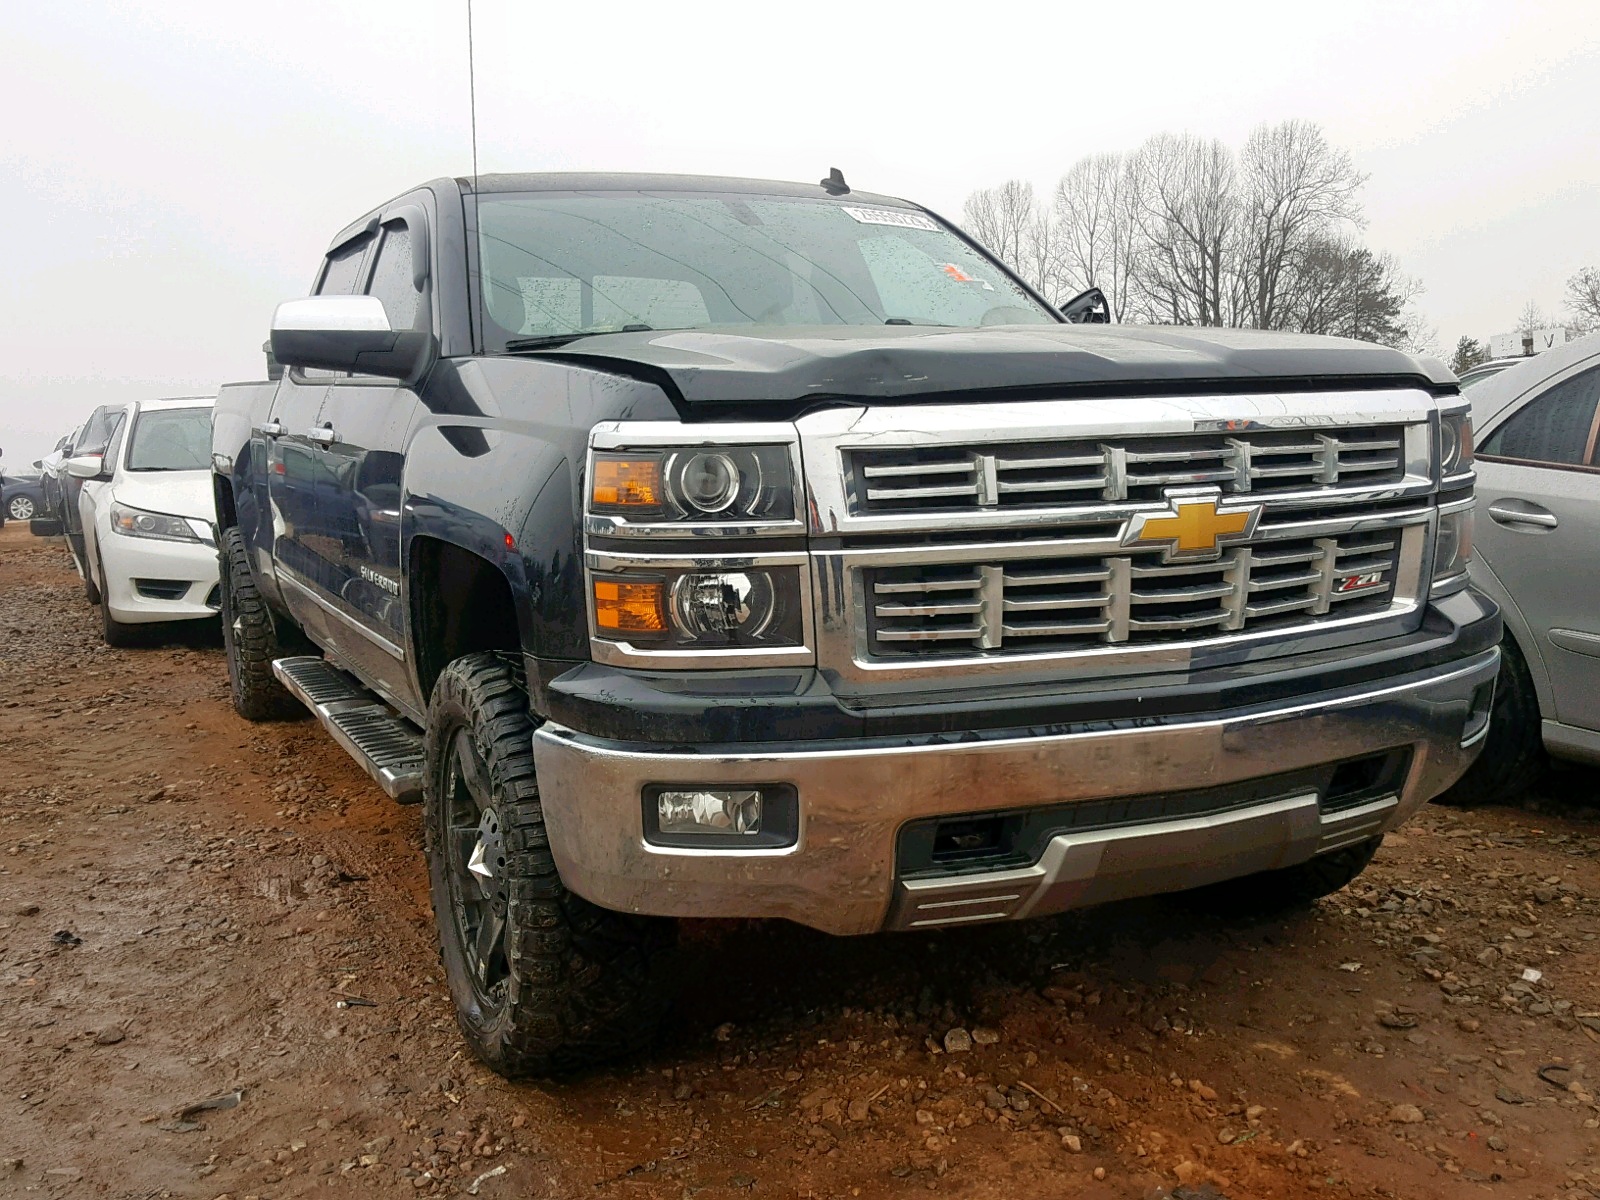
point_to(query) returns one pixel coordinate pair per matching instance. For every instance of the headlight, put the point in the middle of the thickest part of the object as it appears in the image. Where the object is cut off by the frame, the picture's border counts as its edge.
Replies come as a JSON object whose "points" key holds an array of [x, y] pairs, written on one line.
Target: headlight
{"points": [[747, 608], [135, 522], [694, 484], [1452, 548], [1455, 443]]}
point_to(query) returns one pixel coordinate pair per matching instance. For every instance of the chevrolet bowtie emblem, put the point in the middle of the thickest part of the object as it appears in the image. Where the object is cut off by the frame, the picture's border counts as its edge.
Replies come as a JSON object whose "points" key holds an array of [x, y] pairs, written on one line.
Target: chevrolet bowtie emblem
{"points": [[1195, 525]]}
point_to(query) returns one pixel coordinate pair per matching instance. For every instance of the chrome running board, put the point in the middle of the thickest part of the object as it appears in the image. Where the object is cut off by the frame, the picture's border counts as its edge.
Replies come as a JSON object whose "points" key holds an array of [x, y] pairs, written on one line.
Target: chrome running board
{"points": [[387, 746]]}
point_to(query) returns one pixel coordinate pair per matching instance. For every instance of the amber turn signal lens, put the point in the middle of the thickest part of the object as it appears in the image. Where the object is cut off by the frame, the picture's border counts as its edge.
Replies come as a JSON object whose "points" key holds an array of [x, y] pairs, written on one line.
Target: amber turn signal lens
{"points": [[627, 482], [630, 607]]}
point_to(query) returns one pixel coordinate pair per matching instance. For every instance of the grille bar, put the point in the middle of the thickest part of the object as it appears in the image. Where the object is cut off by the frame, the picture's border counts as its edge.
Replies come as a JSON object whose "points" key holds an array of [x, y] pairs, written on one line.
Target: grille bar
{"points": [[1025, 606], [1021, 475]]}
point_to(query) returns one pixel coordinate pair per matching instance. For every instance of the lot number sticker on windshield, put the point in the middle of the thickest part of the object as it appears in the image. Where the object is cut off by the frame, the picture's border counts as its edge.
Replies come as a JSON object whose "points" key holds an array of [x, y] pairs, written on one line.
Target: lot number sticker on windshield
{"points": [[891, 216]]}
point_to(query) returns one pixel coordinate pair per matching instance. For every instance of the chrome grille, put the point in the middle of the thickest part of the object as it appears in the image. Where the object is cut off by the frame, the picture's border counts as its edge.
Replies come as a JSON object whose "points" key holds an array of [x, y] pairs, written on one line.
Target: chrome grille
{"points": [[1042, 474], [1050, 604]]}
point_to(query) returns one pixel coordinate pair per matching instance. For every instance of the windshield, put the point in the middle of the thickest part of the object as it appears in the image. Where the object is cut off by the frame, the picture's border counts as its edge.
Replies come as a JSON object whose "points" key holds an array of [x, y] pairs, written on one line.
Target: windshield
{"points": [[559, 264], [171, 439]]}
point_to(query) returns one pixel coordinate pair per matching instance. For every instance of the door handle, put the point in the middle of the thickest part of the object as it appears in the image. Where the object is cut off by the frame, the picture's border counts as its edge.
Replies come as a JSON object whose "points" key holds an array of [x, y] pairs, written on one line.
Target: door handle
{"points": [[323, 435], [1522, 512], [272, 428]]}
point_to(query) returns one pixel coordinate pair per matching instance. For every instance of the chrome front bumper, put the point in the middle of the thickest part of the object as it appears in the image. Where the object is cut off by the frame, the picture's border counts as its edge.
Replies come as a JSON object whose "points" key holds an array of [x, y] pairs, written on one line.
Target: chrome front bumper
{"points": [[840, 876]]}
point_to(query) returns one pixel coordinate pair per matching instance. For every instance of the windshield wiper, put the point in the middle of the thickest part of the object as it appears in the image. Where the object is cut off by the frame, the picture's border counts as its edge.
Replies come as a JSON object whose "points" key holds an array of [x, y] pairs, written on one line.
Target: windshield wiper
{"points": [[547, 341]]}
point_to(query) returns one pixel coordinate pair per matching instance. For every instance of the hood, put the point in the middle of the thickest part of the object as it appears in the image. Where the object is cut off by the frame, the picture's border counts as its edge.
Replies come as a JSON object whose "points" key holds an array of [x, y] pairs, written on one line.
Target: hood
{"points": [[711, 367], [176, 493]]}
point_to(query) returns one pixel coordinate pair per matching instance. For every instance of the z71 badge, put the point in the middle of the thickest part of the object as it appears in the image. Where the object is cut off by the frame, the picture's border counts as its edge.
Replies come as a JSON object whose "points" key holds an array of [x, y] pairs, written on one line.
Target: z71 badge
{"points": [[1356, 583]]}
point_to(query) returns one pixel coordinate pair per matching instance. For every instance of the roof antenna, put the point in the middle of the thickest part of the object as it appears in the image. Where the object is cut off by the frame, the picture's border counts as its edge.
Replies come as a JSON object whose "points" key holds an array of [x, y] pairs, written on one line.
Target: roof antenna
{"points": [[472, 100], [834, 184]]}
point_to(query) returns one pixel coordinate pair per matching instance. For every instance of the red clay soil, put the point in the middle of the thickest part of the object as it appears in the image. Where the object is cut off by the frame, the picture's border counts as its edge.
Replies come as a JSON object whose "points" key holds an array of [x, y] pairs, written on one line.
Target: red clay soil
{"points": [[193, 907]]}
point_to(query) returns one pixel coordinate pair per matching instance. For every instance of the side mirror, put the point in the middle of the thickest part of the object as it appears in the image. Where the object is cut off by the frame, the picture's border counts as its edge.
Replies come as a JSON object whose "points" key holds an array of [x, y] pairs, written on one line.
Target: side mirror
{"points": [[348, 333], [85, 466], [1088, 307]]}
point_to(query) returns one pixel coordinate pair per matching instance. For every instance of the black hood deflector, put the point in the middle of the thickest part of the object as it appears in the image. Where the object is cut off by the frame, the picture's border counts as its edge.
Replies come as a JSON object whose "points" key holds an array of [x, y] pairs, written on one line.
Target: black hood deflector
{"points": [[717, 373]]}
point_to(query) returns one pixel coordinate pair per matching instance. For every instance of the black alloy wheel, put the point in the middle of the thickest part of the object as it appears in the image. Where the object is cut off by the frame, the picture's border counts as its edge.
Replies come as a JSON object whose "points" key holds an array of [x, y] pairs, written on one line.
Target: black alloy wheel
{"points": [[475, 870], [543, 981]]}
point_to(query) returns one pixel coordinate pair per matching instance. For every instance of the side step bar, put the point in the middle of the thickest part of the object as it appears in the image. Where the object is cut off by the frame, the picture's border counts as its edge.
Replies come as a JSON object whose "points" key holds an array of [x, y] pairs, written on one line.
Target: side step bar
{"points": [[386, 746]]}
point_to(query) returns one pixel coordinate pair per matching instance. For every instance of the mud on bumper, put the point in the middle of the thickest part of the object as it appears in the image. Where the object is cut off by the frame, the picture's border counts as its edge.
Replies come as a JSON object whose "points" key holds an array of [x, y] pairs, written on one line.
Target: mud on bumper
{"points": [[1107, 812]]}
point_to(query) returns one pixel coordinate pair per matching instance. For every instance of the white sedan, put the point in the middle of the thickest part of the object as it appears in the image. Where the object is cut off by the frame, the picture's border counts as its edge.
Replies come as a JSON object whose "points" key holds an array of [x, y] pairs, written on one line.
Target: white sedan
{"points": [[147, 512]]}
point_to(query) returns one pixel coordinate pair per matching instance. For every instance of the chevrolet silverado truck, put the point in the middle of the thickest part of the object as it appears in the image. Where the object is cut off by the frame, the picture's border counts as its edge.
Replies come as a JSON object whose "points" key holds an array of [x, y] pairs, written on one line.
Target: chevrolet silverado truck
{"points": [[699, 547]]}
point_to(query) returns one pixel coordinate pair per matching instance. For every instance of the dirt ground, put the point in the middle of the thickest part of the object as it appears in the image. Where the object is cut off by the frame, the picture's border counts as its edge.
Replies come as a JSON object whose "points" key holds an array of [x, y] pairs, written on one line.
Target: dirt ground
{"points": [[193, 907]]}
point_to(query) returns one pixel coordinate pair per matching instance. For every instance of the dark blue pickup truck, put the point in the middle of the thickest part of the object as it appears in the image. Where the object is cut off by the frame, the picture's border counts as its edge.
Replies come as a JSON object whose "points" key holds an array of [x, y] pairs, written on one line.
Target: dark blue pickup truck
{"points": [[709, 548]]}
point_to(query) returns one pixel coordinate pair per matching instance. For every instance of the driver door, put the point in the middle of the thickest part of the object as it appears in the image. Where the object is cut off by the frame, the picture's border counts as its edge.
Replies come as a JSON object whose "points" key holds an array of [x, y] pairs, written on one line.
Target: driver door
{"points": [[305, 550]]}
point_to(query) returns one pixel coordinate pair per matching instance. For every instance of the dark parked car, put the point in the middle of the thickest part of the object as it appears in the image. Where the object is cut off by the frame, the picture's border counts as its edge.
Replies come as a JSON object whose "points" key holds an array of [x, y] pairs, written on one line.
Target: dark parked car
{"points": [[718, 548], [21, 495]]}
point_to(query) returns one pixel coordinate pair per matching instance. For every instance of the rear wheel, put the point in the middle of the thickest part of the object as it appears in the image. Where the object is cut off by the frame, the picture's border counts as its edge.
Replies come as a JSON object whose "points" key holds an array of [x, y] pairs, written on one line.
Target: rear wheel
{"points": [[21, 508], [543, 981], [1513, 758], [1269, 892], [251, 638]]}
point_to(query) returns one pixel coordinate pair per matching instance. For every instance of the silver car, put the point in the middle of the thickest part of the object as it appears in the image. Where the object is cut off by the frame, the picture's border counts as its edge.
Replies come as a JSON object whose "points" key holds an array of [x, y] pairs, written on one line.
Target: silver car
{"points": [[1537, 429]]}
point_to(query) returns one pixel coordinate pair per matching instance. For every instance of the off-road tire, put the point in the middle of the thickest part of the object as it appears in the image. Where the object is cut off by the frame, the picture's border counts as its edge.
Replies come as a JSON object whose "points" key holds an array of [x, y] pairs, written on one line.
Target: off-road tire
{"points": [[1268, 892], [581, 984], [114, 632], [1513, 757], [252, 638]]}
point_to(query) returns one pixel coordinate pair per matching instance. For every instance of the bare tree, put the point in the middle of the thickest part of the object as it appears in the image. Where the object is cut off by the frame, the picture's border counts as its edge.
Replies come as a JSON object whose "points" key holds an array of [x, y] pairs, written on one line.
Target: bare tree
{"points": [[1295, 188], [1095, 230], [1583, 300], [1041, 262], [1002, 218], [1531, 318], [1185, 205], [1184, 232]]}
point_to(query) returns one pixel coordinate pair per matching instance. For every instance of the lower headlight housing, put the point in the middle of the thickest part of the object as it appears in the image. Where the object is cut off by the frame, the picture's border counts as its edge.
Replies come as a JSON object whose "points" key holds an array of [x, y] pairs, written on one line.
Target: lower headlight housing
{"points": [[745, 608], [1452, 549]]}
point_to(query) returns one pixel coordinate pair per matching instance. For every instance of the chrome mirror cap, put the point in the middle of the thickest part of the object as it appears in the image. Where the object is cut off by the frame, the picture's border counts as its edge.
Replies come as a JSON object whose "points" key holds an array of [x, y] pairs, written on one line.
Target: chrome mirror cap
{"points": [[348, 334], [85, 466]]}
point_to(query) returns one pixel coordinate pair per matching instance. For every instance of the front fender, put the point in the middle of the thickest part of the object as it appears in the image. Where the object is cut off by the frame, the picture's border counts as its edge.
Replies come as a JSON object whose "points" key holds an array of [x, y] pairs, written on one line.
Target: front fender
{"points": [[494, 466]]}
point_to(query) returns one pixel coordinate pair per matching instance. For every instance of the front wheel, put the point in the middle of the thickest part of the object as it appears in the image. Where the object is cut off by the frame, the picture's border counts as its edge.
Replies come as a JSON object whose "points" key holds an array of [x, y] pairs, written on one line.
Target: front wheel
{"points": [[543, 981], [91, 592], [1513, 756], [112, 631], [21, 508]]}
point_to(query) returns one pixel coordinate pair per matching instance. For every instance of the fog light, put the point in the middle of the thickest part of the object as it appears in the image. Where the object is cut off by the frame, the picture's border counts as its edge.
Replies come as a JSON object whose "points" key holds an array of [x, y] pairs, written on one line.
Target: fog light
{"points": [[710, 812]]}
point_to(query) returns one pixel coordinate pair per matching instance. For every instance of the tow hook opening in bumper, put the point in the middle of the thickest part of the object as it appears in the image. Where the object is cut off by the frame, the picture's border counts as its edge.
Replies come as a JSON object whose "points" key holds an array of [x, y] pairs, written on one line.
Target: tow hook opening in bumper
{"points": [[1478, 713]]}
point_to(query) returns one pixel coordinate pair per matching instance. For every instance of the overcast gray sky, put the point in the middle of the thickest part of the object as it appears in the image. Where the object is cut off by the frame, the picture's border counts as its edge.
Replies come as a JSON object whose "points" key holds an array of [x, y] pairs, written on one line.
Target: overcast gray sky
{"points": [[173, 168]]}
